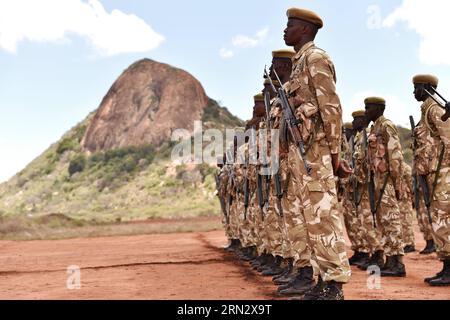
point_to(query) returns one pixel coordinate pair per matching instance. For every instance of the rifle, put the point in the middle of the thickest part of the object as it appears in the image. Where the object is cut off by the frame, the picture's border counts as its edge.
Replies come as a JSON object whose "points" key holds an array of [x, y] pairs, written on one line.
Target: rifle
{"points": [[269, 127], [443, 104], [422, 179], [222, 203], [246, 188], [371, 182], [260, 194], [354, 180], [414, 174], [291, 121]]}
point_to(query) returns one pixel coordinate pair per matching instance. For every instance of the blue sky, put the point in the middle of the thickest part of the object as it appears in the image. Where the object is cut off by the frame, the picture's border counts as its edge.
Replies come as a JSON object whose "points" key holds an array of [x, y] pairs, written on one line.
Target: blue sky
{"points": [[53, 72]]}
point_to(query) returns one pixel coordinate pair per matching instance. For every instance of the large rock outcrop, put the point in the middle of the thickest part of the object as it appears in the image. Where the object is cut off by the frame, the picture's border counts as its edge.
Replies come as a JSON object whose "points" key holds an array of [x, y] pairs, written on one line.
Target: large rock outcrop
{"points": [[144, 105]]}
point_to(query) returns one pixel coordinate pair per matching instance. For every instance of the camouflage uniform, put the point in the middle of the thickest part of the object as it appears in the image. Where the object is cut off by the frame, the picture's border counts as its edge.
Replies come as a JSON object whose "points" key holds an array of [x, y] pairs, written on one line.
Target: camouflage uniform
{"points": [[312, 93], [294, 243], [372, 235], [224, 195], [244, 232], [351, 219], [432, 128], [386, 160], [406, 209]]}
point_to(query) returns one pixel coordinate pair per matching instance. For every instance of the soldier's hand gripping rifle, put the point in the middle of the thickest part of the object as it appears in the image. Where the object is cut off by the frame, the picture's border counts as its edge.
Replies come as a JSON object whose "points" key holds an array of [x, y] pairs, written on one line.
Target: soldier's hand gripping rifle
{"points": [[443, 104], [222, 203], [422, 179], [291, 121], [370, 183]]}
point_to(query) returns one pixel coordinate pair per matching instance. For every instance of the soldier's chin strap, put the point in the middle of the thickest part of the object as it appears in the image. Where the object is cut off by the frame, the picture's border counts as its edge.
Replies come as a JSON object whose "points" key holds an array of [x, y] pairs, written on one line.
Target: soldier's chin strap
{"points": [[443, 102]]}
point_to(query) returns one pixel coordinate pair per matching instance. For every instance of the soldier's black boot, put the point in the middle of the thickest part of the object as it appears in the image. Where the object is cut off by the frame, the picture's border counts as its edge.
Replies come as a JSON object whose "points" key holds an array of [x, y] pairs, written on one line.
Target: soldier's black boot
{"points": [[438, 275], [275, 269], [429, 248], [332, 291], [261, 260], [231, 246], [282, 278], [409, 248], [362, 260], [266, 263], [444, 279], [394, 267], [356, 257], [303, 282], [377, 259], [314, 292], [252, 253]]}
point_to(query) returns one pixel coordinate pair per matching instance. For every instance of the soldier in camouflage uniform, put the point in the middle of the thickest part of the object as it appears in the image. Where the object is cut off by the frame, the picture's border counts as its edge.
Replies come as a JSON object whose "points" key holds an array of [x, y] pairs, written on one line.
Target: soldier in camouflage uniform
{"points": [[347, 197], [312, 95], [372, 252], [294, 245], [406, 210], [433, 161], [386, 162]]}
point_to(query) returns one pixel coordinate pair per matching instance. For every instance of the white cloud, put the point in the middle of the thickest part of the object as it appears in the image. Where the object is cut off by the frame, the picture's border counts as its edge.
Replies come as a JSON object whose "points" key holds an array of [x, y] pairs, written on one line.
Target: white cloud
{"points": [[54, 20], [226, 53], [396, 109], [430, 21], [242, 41]]}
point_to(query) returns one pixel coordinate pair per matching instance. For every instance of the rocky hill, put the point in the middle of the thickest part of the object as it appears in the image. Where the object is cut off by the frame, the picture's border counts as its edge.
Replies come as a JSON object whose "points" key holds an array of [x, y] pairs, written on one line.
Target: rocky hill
{"points": [[114, 165]]}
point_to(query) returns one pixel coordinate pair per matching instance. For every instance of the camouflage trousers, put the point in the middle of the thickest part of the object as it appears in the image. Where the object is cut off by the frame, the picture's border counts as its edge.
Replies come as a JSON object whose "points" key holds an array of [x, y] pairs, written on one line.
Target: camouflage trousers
{"points": [[353, 224], [424, 223], [407, 218], [273, 229], [440, 211], [234, 218], [319, 218], [371, 235], [257, 230], [243, 224], [389, 219]]}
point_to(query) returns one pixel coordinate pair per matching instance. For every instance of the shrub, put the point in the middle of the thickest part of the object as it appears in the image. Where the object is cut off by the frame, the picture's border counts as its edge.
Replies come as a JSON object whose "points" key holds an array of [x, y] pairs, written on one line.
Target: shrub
{"points": [[77, 164], [65, 145]]}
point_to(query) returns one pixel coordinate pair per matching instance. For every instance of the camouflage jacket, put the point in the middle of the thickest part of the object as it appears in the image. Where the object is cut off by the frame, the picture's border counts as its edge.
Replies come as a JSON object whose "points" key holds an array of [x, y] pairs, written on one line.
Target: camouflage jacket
{"points": [[385, 151], [360, 154], [432, 134], [312, 93]]}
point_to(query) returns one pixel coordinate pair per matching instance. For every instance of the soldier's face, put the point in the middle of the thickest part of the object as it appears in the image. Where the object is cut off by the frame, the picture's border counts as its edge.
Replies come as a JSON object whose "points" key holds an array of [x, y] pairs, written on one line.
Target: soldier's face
{"points": [[359, 123], [419, 93], [294, 32], [259, 109], [283, 67]]}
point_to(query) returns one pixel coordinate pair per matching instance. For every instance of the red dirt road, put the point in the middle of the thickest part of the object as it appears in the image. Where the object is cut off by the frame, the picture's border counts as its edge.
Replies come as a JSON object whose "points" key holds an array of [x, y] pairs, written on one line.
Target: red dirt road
{"points": [[170, 266]]}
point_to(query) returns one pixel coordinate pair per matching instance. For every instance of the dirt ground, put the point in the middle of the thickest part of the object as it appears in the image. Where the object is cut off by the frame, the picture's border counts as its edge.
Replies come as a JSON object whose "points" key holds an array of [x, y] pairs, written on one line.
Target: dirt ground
{"points": [[169, 266]]}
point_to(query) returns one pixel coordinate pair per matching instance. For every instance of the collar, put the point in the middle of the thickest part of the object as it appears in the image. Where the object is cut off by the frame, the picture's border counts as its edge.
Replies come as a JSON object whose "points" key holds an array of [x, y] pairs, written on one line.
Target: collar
{"points": [[307, 46]]}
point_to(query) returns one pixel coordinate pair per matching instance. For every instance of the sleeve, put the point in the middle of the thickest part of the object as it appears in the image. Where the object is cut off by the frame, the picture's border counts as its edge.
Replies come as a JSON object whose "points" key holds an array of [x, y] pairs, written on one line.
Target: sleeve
{"points": [[395, 156], [323, 77], [443, 128]]}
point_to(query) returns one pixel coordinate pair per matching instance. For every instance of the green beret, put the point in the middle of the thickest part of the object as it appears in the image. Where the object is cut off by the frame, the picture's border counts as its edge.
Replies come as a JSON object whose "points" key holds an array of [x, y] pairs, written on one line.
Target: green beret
{"points": [[348, 125], [375, 101], [426, 79], [305, 15]]}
